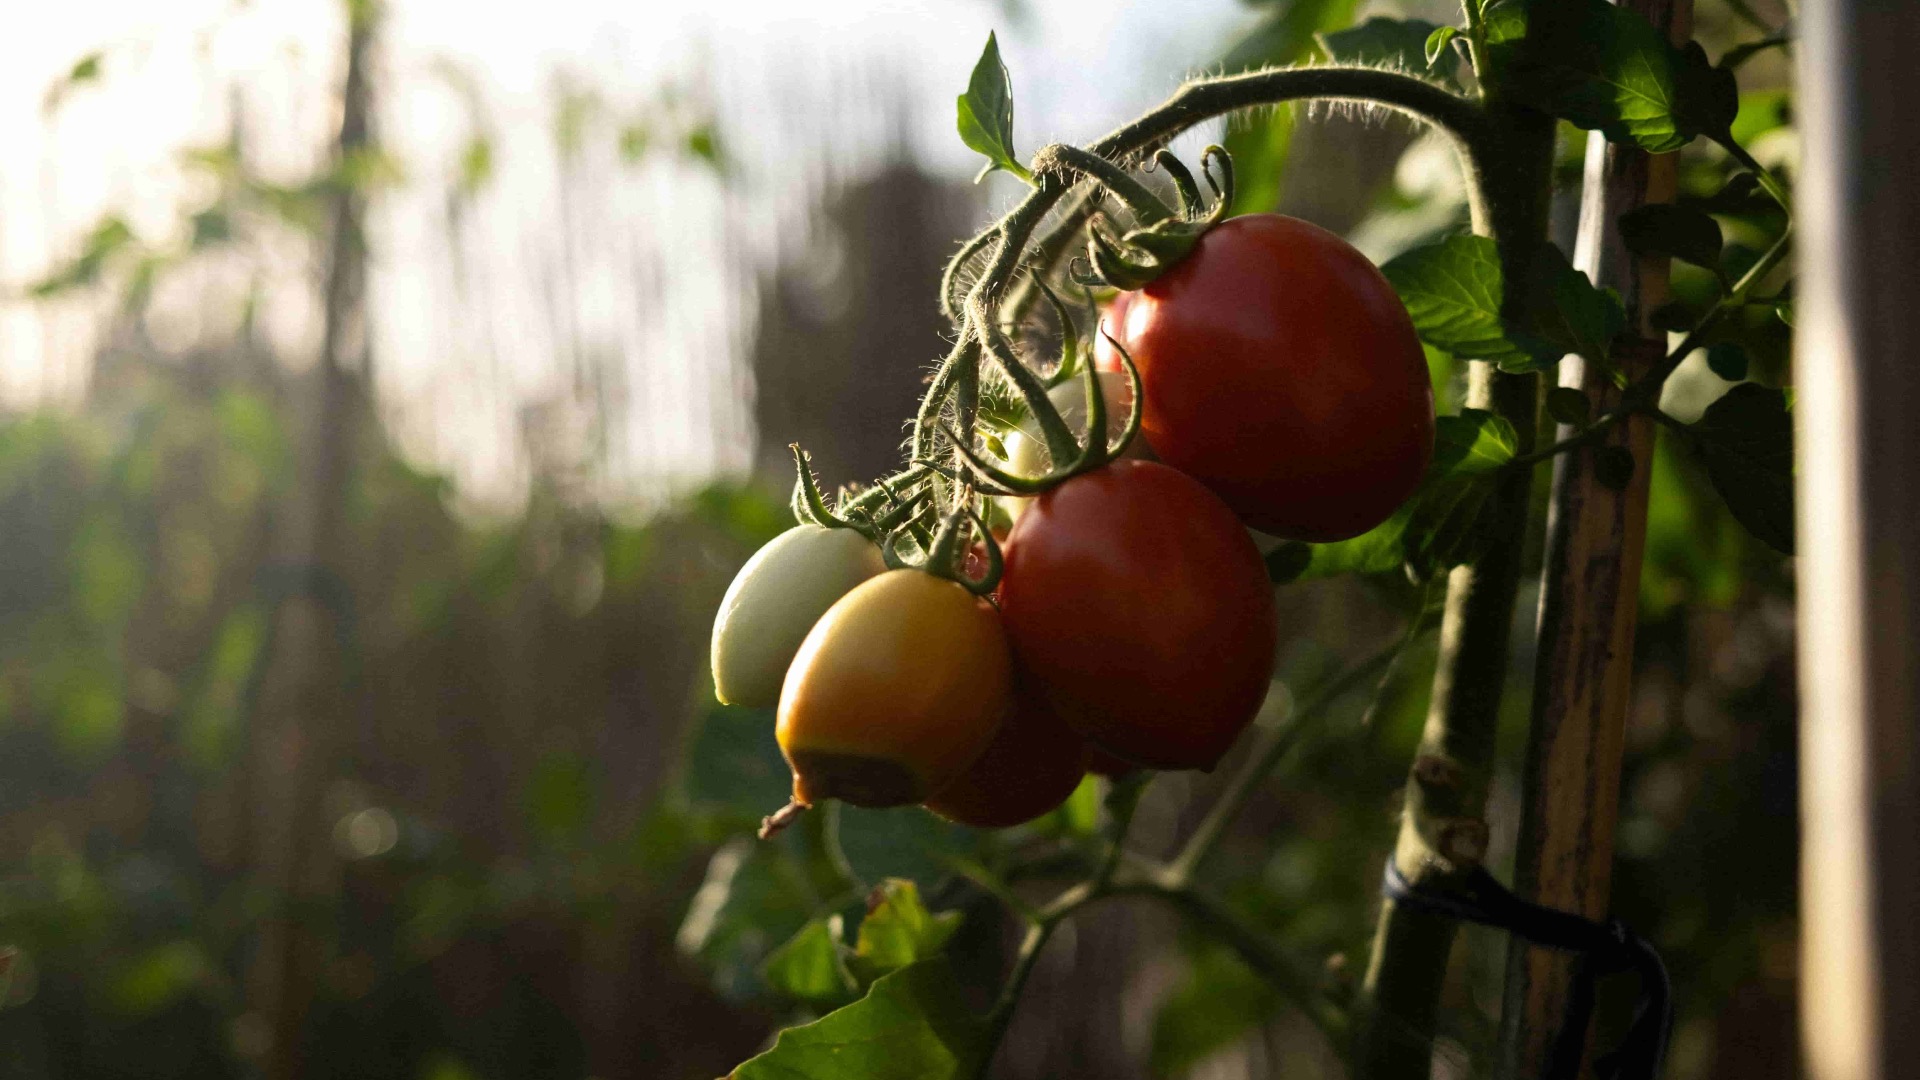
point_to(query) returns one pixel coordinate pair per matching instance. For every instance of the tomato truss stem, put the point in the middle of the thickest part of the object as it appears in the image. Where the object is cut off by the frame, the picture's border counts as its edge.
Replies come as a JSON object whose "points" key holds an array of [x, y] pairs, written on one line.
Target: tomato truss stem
{"points": [[1060, 169]]}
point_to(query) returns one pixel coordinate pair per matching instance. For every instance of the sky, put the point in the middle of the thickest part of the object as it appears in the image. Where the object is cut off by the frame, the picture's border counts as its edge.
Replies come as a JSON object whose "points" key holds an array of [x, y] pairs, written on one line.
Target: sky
{"points": [[169, 71]]}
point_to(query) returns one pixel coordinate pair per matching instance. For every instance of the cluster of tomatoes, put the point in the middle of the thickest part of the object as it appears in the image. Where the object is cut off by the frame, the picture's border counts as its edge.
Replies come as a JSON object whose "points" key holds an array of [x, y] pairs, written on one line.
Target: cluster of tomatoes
{"points": [[1283, 389]]}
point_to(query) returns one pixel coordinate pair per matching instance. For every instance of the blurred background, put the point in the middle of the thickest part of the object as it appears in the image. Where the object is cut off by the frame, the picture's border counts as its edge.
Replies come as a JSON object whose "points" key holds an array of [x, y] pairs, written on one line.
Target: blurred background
{"points": [[389, 390]]}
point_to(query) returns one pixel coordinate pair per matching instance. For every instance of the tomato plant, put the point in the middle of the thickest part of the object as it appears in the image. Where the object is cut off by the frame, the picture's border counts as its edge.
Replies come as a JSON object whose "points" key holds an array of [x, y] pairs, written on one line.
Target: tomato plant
{"points": [[894, 692], [1281, 381], [775, 600], [1027, 451], [1143, 612], [1281, 369]]}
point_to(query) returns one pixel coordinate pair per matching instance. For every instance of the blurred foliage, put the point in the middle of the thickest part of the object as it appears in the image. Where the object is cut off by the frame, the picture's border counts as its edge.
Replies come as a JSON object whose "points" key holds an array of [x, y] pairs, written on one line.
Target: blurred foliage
{"points": [[541, 857]]}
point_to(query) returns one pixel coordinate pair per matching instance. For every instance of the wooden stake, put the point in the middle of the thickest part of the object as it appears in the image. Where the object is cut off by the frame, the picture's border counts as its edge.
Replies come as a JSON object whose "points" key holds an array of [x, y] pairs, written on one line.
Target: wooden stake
{"points": [[1858, 425], [1589, 601]]}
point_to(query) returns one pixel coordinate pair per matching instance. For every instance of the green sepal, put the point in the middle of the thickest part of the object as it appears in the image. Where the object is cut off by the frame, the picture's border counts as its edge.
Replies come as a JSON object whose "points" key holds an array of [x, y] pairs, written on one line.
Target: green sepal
{"points": [[809, 506], [1183, 182], [1113, 267]]}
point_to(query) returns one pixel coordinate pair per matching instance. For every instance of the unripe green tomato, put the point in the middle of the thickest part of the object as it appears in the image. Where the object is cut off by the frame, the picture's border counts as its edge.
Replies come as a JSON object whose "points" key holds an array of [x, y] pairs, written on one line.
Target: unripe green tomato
{"points": [[775, 600], [1027, 449]]}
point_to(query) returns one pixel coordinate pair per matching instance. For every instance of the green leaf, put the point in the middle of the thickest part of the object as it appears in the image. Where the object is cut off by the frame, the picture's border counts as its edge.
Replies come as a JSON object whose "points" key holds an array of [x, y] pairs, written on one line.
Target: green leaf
{"points": [[811, 966], [703, 142], [1446, 520], [1741, 194], [1728, 360], [1259, 146], [1746, 440], [1568, 405], [1289, 34], [986, 113], [158, 978], [1569, 315], [1709, 96], [1608, 69], [1452, 290], [1217, 1004], [1437, 43], [1401, 44], [754, 894], [560, 797], [1613, 466], [109, 238], [1473, 444], [1762, 111], [912, 1025], [899, 930], [85, 70], [1677, 232], [1080, 814]]}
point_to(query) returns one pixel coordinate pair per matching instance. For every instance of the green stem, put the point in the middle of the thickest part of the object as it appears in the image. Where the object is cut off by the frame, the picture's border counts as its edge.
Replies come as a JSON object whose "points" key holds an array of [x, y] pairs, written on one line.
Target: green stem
{"points": [[1592, 433], [1768, 182], [1274, 746], [1277, 968], [1647, 390], [950, 279], [1197, 101], [1064, 158], [1442, 832]]}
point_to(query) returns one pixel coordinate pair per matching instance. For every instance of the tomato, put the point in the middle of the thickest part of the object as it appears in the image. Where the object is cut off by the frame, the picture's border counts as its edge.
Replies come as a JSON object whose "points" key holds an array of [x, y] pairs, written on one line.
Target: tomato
{"points": [[775, 599], [1030, 767], [1104, 764], [1143, 611], [894, 693], [1281, 370]]}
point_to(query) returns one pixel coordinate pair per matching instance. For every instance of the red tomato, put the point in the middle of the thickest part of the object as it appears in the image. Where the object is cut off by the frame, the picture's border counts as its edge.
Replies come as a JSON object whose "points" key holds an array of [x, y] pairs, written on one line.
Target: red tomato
{"points": [[1138, 604], [1029, 768], [1281, 370], [1104, 764]]}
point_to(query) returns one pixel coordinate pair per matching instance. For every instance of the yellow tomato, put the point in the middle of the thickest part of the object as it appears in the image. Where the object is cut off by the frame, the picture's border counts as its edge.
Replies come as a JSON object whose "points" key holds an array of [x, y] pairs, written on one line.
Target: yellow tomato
{"points": [[894, 693]]}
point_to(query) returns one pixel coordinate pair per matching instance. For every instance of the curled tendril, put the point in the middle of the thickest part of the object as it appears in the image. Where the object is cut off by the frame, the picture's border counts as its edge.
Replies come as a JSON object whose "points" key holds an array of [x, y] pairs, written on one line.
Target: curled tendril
{"points": [[945, 555], [1182, 178], [1222, 191], [809, 506], [1138, 256], [1070, 358], [1096, 450]]}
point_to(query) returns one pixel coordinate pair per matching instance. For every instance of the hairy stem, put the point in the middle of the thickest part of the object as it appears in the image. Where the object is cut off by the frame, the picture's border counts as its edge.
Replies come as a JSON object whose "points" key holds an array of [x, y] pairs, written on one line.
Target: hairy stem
{"points": [[1273, 747], [1197, 101]]}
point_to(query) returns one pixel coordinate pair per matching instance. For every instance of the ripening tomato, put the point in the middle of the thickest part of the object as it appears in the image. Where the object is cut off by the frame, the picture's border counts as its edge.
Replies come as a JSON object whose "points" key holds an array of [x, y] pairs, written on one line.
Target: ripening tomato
{"points": [[1030, 767], [1101, 763], [1281, 370], [1142, 610], [775, 599], [896, 690]]}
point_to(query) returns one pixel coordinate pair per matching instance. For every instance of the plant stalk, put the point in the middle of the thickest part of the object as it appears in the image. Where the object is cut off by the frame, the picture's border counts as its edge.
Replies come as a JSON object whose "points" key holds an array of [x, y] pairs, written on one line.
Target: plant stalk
{"points": [[1442, 829]]}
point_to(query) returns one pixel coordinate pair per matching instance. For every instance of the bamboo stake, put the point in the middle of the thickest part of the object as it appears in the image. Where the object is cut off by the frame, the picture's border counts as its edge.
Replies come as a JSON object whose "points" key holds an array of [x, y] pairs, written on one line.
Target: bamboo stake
{"points": [[1589, 600]]}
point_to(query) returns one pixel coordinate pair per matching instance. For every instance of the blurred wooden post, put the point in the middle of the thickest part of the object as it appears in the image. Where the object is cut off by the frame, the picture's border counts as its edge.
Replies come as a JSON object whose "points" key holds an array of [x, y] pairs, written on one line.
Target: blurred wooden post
{"points": [[303, 734], [1858, 409], [1589, 602]]}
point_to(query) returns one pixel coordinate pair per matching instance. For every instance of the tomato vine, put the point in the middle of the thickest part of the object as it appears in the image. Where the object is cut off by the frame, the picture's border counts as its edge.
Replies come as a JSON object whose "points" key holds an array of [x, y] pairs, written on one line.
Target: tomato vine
{"points": [[1504, 299]]}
